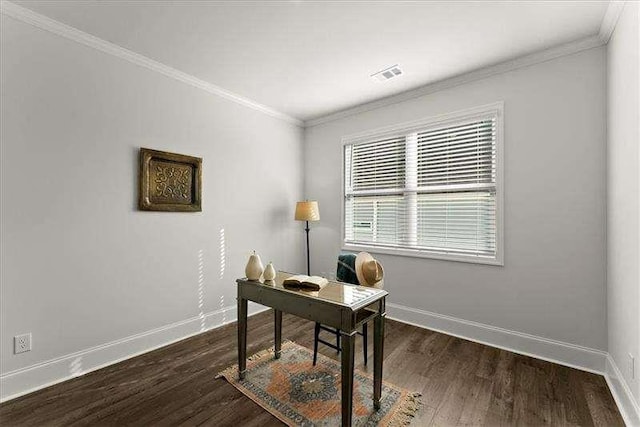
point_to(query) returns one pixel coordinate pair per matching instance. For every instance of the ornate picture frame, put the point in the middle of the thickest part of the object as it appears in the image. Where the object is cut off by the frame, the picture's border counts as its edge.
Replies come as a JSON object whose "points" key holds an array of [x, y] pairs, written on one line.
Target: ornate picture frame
{"points": [[169, 182]]}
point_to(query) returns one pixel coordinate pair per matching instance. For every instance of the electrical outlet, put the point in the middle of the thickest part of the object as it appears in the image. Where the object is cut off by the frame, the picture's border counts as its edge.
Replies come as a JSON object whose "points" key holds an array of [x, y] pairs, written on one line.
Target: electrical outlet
{"points": [[22, 343], [632, 368]]}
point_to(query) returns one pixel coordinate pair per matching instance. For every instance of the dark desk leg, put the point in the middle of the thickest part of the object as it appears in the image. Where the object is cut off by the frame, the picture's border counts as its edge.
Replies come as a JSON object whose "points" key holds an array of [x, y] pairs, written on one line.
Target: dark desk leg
{"points": [[348, 348], [278, 333], [242, 337], [378, 354]]}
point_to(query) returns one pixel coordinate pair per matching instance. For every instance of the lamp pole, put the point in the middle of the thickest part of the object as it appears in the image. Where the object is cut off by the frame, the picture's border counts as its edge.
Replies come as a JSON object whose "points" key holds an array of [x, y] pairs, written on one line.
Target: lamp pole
{"points": [[308, 263]]}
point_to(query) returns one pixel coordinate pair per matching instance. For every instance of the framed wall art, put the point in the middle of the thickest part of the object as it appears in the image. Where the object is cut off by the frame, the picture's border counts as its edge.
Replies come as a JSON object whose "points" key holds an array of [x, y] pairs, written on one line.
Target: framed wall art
{"points": [[169, 182]]}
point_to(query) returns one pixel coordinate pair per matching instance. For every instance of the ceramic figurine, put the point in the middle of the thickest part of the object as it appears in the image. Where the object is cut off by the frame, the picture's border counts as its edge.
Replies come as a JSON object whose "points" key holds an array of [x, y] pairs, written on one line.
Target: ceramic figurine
{"points": [[254, 267], [269, 272]]}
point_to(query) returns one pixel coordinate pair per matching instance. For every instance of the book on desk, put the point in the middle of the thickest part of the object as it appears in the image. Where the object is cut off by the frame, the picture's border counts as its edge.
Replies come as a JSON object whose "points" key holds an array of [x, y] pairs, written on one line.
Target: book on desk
{"points": [[304, 282]]}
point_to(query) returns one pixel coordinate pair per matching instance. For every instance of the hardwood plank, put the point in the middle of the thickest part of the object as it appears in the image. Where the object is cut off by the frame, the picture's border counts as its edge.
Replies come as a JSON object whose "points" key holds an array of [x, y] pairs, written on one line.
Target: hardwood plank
{"points": [[488, 362], [525, 411], [462, 382], [477, 399], [500, 412], [600, 402]]}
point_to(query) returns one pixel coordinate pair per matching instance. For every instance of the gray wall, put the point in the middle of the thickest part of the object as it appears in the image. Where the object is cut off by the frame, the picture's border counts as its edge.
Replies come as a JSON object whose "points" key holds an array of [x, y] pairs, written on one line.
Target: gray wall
{"points": [[80, 265], [623, 191], [553, 281]]}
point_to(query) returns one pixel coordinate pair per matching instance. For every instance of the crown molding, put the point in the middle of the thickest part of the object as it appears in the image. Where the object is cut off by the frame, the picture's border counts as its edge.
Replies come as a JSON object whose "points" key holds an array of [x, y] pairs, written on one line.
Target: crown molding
{"points": [[40, 21], [611, 16], [482, 73]]}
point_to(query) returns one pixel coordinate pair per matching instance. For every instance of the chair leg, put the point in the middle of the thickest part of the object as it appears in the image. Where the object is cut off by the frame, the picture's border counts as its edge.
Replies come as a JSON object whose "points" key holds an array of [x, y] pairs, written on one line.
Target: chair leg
{"points": [[316, 335], [364, 343], [338, 341]]}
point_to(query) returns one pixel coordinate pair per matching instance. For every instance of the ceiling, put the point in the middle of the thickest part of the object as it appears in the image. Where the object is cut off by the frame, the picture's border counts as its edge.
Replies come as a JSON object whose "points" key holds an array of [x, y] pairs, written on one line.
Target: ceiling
{"points": [[311, 58]]}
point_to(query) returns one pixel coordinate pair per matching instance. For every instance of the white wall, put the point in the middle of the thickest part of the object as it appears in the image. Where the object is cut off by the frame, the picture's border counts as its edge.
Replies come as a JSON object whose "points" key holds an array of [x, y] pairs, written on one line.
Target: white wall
{"points": [[623, 196], [552, 284], [81, 266]]}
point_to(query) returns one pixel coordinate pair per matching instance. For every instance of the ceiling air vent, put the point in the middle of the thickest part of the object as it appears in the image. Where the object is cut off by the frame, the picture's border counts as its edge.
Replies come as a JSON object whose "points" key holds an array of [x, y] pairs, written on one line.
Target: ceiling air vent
{"points": [[387, 73]]}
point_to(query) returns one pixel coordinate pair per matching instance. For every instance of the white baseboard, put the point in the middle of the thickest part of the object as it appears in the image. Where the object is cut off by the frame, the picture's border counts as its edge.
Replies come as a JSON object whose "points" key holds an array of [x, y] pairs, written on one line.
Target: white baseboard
{"points": [[31, 378], [575, 356], [627, 404]]}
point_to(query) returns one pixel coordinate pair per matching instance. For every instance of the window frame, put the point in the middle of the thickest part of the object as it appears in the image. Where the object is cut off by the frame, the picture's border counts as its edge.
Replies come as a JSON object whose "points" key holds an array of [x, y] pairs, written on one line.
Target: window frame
{"points": [[496, 109]]}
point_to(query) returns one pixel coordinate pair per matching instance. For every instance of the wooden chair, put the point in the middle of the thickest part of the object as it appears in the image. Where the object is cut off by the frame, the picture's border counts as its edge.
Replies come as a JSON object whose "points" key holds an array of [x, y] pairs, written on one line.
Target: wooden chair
{"points": [[345, 273]]}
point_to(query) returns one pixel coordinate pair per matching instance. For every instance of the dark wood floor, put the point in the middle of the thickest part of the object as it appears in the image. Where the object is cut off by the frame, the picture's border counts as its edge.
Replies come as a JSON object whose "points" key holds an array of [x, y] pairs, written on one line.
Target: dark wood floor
{"points": [[462, 382]]}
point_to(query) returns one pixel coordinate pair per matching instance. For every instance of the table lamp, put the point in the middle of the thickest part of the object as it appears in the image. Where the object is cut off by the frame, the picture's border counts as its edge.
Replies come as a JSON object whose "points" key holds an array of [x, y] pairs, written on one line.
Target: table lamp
{"points": [[307, 211]]}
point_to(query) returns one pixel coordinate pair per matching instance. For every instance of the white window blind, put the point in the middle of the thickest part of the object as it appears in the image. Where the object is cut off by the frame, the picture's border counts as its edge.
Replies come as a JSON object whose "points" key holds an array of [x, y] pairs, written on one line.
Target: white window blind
{"points": [[428, 189]]}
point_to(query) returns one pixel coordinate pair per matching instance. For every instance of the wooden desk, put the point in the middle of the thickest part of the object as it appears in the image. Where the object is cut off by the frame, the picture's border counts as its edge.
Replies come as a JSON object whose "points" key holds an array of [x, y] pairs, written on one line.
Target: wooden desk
{"points": [[340, 305]]}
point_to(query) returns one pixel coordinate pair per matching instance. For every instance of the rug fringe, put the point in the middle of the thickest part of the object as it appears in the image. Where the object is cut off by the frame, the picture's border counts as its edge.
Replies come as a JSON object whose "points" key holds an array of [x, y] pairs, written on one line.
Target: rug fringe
{"points": [[407, 410], [232, 371]]}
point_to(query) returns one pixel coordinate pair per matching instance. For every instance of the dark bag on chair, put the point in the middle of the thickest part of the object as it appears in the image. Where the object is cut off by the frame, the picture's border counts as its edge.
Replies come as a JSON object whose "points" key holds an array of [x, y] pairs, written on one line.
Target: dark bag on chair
{"points": [[346, 271]]}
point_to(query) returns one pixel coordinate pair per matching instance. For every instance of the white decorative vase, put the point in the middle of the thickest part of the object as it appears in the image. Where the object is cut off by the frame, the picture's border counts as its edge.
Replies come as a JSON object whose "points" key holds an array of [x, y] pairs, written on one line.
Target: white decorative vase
{"points": [[269, 272], [254, 267]]}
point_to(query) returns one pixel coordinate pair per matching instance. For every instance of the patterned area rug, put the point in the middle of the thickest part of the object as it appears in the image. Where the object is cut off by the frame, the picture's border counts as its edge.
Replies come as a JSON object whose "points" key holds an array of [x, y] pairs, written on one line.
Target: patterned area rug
{"points": [[300, 394]]}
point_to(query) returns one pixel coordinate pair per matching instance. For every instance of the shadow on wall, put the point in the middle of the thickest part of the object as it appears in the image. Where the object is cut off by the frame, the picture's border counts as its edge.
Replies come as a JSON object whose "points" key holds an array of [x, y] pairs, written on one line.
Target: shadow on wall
{"points": [[201, 282], [75, 367], [222, 254], [223, 264], [203, 326]]}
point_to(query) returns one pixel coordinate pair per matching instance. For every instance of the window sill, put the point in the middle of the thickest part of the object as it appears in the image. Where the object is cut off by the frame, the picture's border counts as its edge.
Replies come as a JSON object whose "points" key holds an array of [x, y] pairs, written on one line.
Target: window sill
{"points": [[498, 261]]}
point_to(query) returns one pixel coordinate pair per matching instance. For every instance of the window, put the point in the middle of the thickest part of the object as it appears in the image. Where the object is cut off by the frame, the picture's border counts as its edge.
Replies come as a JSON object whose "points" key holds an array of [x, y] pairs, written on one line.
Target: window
{"points": [[431, 188]]}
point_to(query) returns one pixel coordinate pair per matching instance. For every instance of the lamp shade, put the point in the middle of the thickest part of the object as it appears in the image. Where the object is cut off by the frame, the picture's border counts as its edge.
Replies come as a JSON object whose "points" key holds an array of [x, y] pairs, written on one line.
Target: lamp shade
{"points": [[307, 211]]}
